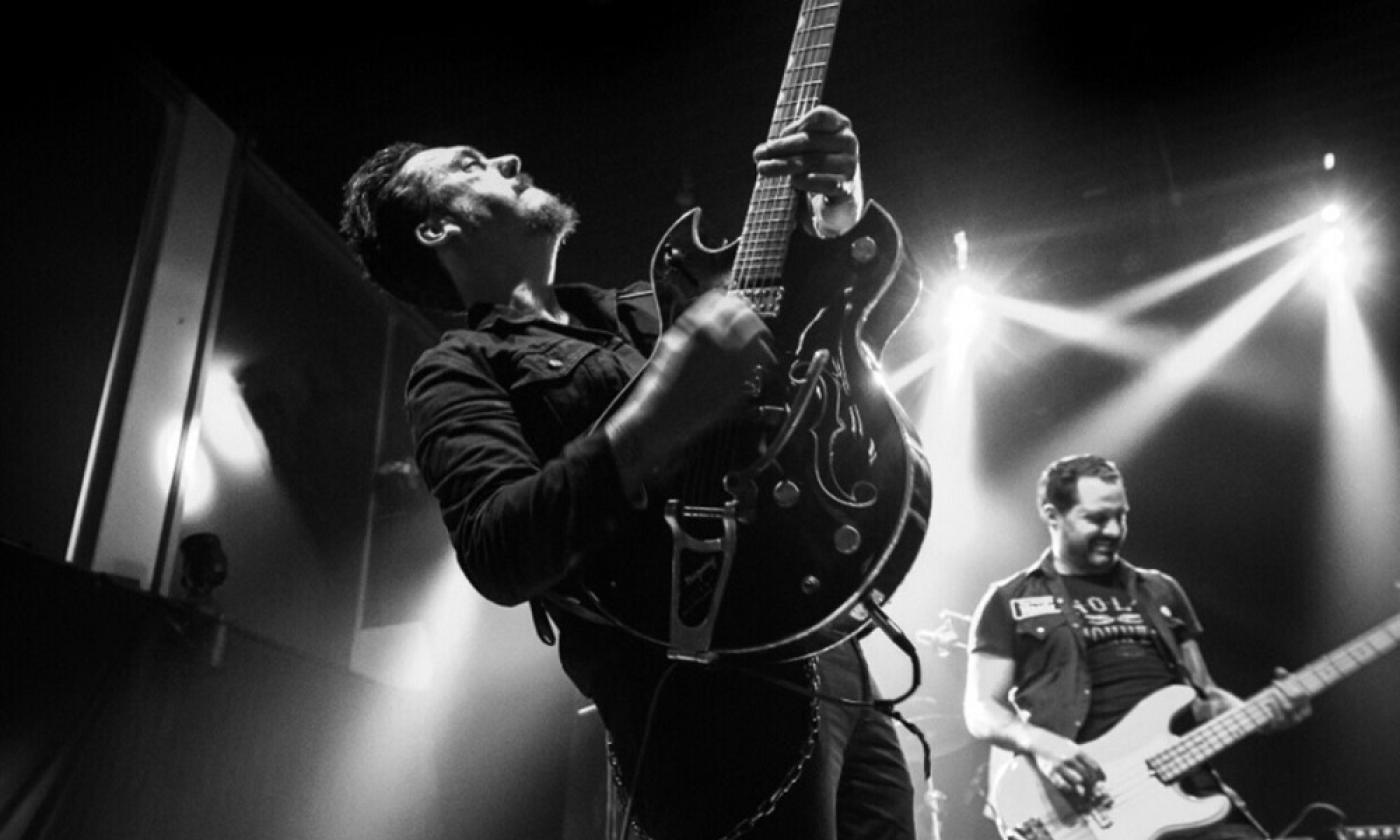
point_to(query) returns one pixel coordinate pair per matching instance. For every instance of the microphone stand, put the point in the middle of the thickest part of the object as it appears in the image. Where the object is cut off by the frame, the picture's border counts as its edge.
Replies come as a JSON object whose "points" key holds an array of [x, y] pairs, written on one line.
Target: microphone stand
{"points": [[944, 639]]}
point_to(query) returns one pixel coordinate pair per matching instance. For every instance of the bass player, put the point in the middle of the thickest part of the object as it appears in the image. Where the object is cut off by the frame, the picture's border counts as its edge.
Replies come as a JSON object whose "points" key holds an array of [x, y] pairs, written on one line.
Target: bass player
{"points": [[1062, 651]]}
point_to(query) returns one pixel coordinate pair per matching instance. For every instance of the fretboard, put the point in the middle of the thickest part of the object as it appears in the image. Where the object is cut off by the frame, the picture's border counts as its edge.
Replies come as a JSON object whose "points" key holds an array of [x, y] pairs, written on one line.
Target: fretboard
{"points": [[771, 217], [1198, 745]]}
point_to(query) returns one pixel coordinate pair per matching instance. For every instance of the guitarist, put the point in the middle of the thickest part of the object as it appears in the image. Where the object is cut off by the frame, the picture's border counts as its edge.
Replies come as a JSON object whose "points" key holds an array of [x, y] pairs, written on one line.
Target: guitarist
{"points": [[502, 412], [1061, 651]]}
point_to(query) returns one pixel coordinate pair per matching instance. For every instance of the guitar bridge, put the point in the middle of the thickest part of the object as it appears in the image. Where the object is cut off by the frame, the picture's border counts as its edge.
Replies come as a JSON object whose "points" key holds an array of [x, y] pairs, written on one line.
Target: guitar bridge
{"points": [[698, 564], [1031, 830], [764, 300]]}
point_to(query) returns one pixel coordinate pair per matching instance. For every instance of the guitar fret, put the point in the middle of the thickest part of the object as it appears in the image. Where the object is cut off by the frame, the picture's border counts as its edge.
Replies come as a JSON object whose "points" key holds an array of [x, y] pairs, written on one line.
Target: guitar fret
{"points": [[770, 256], [1206, 740], [772, 213]]}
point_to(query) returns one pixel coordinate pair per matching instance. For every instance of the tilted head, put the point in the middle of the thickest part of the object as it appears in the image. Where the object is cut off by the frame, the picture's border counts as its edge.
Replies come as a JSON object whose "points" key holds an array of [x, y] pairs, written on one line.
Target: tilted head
{"points": [[381, 208], [411, 210], [1083, 502]]}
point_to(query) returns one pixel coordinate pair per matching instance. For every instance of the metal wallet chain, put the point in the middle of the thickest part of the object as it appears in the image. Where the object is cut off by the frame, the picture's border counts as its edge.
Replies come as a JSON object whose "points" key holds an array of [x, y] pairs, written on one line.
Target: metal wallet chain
{"points": [[768, 805]]}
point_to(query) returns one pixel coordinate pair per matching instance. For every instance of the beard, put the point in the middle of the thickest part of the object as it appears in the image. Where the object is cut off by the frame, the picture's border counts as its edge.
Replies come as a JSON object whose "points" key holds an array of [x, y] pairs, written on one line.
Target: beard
{"points": [[551, 216]]}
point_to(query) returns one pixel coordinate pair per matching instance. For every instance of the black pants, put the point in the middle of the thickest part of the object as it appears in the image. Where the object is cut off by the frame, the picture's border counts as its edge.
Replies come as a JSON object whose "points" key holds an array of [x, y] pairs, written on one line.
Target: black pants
{"points": [[730, 750]]}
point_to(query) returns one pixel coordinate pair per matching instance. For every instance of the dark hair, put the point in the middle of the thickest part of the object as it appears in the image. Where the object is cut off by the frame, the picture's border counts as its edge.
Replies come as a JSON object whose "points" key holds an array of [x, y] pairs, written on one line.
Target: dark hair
{"points": [[381, 208], [1059, 484]]}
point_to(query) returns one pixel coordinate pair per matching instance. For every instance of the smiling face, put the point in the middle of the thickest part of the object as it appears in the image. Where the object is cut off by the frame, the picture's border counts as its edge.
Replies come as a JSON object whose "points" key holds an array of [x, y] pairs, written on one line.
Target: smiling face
{"points": [[1085, 538]]}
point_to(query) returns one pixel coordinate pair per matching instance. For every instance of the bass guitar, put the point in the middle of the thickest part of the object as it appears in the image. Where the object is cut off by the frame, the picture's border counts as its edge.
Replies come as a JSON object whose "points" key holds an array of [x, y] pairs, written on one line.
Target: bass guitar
{"points": [[1143, 761], [789, 527]]}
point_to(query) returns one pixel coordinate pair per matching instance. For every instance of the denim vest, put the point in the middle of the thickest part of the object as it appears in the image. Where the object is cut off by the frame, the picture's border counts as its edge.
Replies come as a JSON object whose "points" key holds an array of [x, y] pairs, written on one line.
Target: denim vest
{"points": [[1052, 680]]}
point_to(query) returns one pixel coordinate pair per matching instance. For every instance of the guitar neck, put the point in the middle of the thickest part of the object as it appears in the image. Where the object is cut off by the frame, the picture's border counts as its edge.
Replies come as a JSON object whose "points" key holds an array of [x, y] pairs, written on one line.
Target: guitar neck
{"points": [[1215, 735], [772, 209]]}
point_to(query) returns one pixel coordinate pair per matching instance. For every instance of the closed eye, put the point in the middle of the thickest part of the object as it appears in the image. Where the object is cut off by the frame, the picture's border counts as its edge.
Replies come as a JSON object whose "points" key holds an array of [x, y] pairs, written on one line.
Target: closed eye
{"points": [[469, 159]]}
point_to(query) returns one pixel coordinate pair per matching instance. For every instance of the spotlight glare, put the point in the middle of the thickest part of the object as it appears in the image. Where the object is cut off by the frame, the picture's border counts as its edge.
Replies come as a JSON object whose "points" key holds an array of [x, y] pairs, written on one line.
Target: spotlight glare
{"points": [[1329, 161], [197, 485], [964, 313], [1338, 251], [229, 429]]}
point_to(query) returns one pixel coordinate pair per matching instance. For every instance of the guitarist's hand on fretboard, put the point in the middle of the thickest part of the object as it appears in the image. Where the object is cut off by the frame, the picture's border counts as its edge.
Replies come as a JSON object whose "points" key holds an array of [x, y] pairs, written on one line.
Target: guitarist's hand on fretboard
{"points": [[821, 153], [1287, 707], [1215, 702]]}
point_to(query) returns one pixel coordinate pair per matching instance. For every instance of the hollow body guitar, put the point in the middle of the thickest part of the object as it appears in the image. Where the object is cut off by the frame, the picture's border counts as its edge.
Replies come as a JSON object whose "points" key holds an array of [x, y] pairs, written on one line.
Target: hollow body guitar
{"points": [[787, 526]]}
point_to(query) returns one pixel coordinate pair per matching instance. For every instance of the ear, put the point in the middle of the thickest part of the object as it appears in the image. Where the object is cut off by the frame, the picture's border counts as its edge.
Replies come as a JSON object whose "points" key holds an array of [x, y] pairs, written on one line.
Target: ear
{"points": [[1049, 514], [435, 231]]}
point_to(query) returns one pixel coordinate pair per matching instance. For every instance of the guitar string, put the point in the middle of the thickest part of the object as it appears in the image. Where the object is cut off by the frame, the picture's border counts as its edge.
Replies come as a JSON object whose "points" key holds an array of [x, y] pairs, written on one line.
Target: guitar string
{"points": [[772, 209], [771, 214], [1193, 749], [762, 251]]}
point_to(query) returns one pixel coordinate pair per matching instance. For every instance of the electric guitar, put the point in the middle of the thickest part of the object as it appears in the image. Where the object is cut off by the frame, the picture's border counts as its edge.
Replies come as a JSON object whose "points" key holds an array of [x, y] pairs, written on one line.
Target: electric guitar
{"points": [[1143, 760], [787, 528]]}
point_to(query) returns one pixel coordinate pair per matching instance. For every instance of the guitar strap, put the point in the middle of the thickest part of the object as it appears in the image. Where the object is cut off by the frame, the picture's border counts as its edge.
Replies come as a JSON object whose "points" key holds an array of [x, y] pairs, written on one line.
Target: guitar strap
{"points": [[1152, 610], [1156, 614], [544, 626]]}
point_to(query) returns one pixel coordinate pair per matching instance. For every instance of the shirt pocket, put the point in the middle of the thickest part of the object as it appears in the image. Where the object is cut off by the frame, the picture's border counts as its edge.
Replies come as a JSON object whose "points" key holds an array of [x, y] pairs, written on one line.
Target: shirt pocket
{"points": [[1039, 627], [557, 393], [549, 365], [1042, 643]]}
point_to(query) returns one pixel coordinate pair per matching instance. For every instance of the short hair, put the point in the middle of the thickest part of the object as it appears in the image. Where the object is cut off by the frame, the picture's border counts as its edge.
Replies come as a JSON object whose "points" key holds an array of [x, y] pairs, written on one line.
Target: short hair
{"points": [[380, 211], [1059, 483]]}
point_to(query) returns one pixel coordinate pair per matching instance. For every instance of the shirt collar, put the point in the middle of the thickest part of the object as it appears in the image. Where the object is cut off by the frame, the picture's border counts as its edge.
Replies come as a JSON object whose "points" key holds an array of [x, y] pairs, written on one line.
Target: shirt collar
{"points": [[1045, 566], [591, 306]]}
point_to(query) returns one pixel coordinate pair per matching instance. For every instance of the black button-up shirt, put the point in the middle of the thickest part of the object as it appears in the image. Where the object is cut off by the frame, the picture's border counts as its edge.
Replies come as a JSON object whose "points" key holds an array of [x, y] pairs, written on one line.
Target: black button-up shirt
{"points": [[502, 412]]}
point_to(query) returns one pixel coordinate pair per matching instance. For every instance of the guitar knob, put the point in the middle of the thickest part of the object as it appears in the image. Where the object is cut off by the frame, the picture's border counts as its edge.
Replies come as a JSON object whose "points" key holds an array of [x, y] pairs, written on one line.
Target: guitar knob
{"points": [[863, 250], [846, 539], [753, 384], [786, 493], [810, 585]]}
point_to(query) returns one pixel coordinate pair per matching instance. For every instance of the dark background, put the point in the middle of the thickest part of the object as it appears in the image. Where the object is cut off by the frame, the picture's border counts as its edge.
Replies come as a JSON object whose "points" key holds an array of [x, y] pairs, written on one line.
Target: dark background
{"points": [[1008, 119]]}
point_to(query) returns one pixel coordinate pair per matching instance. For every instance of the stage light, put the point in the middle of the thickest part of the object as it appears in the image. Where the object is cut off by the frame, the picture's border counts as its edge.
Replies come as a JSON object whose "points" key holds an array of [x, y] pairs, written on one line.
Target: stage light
{"points": [[197, 475], [1090, 329], [1135, 301], [1329, 161], [1124, 421], [963, 316], [228, 427], [1362, 446], [1337, 250]]}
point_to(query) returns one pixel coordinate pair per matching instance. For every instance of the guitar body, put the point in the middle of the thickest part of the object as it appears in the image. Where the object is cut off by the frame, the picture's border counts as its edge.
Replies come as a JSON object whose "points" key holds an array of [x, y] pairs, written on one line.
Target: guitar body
{"points": [[783, 523], [1029, 807]]}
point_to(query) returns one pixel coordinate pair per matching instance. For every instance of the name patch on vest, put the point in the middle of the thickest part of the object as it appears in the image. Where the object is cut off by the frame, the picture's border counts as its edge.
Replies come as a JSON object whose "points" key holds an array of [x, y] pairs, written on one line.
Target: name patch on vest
{"points": [[1032, 607]]}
